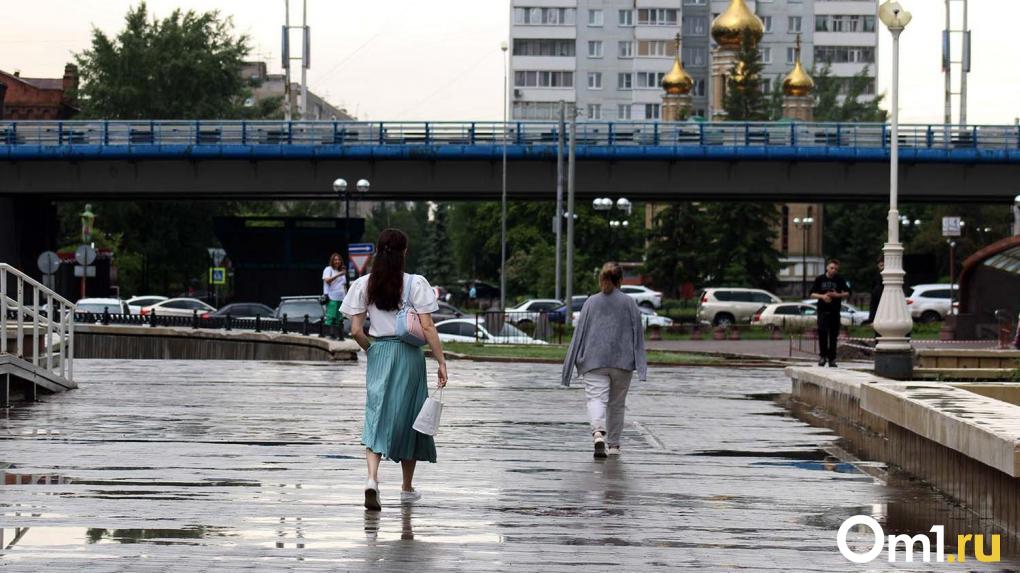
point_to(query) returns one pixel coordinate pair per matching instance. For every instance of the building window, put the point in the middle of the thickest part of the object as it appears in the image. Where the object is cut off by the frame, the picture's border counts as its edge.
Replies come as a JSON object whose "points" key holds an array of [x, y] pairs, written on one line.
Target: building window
{"points": [[791, 55], [656, 48], [767, 20], [594, 80], [850, 24], [595, 49], [594, 111], [699, 88], [845, 54], [623, 111], [537, 110], [766, 85], [625, 81], [766, 55], [696, 25], [626, 18], [544, 16], [649, 79], [626, 49], [695, 2], [653, 111], [595, 18], [529, 47], [793, 24], [543, 79], [695, 56], [657, 16]]}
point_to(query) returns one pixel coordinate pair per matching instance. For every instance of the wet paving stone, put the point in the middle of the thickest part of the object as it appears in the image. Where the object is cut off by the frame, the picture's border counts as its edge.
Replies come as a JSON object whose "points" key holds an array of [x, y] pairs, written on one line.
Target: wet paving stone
{"points": [[244, 466]]}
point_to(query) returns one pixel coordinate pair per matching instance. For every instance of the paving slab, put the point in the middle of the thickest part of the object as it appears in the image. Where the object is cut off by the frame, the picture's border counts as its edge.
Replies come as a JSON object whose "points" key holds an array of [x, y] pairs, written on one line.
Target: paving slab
{"points": [[256, 466]]}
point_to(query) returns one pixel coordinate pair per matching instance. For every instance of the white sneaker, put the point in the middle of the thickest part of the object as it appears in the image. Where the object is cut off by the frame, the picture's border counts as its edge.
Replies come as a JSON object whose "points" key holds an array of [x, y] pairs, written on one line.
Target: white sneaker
{"points": [[372, 496], [599, 439], [614, 450], [409, 496]]}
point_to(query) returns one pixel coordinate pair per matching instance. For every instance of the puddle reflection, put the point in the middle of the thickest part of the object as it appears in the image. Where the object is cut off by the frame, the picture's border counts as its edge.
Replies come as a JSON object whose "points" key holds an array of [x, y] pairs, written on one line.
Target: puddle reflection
{"points": [[10, 478], [18, 537]]}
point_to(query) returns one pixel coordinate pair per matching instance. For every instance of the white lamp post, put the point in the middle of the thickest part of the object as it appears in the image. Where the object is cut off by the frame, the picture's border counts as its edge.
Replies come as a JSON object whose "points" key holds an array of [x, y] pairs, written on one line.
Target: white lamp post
{"points": [[1016, 215], [894, 355], [502, 212], [340, 188]]}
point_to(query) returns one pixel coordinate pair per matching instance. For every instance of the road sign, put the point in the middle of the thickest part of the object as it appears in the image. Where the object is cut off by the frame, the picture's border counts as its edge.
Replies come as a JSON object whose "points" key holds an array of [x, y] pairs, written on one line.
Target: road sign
{"points": [[84, 272], [85, 255], [360, 261], [48, 263], [360, 249], [217, 275], [951, 226], [217, 255]]}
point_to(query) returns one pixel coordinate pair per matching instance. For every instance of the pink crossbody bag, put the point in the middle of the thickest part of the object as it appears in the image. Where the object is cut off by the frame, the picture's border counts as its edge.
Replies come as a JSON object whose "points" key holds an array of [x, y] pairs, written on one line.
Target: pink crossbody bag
{"points": [[409, 327]]}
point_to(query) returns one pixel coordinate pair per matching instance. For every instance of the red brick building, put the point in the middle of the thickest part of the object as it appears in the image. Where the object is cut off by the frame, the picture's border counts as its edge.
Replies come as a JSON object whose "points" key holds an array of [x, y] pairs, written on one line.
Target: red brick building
{"points": [[39, 98]]}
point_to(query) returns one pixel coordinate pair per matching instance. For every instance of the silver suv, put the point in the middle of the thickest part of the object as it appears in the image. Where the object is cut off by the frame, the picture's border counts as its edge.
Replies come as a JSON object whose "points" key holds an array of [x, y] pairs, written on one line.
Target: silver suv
{"points": [[931, 302], [725, 306]]}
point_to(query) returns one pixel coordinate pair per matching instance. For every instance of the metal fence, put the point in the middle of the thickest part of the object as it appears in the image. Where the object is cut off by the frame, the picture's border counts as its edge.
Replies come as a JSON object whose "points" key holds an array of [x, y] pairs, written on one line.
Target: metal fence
{"points": [[303, 325], [37, 317]]}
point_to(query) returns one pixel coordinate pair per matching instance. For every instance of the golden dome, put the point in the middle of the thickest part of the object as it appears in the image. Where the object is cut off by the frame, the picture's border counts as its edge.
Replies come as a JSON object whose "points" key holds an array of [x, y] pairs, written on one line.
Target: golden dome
{"points": [[728, 28], [677, 81], [798, 83]]}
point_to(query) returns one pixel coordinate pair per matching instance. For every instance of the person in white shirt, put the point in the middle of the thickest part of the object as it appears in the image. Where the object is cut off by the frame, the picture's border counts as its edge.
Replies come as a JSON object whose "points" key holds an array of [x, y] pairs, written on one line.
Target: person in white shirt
{"points": [[396, 384], [334, 285]]}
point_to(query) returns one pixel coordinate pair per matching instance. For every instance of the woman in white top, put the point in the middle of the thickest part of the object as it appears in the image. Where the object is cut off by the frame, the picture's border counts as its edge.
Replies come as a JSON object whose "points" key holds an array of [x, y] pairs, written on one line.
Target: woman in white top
{"points": [[395, 378], [334, 283]]}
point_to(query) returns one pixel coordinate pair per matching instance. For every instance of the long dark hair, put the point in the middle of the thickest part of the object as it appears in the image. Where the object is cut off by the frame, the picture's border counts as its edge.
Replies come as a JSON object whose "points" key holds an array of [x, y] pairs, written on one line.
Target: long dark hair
{"points": [[386, 282]]}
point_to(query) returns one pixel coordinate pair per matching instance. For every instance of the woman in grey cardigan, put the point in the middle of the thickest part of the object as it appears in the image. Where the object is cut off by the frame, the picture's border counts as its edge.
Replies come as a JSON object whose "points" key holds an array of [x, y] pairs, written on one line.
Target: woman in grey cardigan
{"points": [[608, 346]]}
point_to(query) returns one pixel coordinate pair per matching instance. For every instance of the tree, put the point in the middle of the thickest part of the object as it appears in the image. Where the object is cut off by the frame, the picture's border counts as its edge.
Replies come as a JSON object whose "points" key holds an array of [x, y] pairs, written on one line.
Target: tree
{"points": [[738, 247], [186, 66], [437, 260], [829, 89], [744, 100], [674, 255]]}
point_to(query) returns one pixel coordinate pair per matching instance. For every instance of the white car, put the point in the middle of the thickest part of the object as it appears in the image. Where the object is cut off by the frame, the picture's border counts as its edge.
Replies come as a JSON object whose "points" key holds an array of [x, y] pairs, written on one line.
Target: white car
{"points": [[137, 303], [530, 310], [650, 318], [848, 313], [178, 307], [931, 302], [100, 305], [643, 295], [466, 330]]}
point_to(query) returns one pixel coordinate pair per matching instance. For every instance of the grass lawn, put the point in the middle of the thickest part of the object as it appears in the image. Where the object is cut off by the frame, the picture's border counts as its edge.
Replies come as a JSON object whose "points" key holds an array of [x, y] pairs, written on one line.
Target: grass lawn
{"points": [[557, 353]]}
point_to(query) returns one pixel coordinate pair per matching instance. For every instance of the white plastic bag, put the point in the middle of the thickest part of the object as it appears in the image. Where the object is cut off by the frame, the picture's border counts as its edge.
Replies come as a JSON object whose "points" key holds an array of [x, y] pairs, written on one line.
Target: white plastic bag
{"points": [[427, 421]]}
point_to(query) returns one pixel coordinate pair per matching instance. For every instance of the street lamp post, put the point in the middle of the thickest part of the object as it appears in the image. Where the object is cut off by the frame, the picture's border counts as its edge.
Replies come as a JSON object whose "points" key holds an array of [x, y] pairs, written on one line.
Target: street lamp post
{"points": [[340, 188], [805, 226], [893, 354], [1016, 215], [502, 241], [605, 205]]}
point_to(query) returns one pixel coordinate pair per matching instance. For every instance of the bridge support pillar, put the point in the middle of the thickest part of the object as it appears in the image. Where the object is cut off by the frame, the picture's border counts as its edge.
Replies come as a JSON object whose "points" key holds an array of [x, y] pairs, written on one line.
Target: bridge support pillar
{"points": [[28, 226]]}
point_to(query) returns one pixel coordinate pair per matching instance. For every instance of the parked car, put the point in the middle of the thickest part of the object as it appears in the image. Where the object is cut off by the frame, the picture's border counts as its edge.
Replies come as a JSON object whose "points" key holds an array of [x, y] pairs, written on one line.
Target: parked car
{"points": [[529, 310], [786, 315], [559, 314], [643, 295], [296, 307], [466, 330], [650, 318], [447, 312], [243, 310], [848, 313], [99, 305], [725, 306], [137, 303], [931, 302], [178, 307]]}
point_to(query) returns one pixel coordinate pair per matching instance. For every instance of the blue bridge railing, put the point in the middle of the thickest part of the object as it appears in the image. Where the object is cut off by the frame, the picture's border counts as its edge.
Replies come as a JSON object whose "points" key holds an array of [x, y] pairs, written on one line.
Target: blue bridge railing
{"points": [[28, 139]]}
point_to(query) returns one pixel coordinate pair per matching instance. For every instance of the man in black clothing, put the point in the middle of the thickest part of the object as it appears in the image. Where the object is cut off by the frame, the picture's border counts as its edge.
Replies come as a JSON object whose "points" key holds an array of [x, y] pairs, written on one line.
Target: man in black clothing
{"points": [[876, 293], [830, 289]]}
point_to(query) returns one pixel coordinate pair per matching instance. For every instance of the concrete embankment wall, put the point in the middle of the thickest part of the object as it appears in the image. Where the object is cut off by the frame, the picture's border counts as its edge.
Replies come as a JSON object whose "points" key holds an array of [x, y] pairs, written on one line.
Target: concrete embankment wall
{"points": [[957, 437], [142, 342]]}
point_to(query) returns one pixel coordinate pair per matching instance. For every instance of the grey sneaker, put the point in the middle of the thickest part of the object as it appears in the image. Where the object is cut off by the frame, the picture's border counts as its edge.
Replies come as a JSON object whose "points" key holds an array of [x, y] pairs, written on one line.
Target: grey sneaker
{"points": [[599, 439], [372, 496], [614, 450], [409, 497]]}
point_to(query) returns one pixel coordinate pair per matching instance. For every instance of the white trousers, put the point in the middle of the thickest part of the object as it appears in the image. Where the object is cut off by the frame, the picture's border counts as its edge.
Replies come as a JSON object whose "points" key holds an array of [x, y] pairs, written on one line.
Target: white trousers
{"points": [[606, 391]]}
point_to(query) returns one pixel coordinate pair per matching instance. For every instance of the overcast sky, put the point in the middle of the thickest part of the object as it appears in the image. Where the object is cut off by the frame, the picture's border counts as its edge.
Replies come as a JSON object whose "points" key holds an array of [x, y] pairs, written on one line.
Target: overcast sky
{"points": [[440, 59]]}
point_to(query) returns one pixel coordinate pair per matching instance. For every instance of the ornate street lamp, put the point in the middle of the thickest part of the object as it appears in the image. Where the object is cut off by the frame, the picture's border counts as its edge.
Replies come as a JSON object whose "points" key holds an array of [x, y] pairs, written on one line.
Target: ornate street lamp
{"points": [[804, 225], [894, 354], [340, 188]]}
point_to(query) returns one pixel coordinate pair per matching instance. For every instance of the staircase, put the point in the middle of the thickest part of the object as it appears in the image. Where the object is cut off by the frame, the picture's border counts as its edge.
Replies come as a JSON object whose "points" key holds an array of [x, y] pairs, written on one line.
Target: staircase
{"points": [[36, 338]]}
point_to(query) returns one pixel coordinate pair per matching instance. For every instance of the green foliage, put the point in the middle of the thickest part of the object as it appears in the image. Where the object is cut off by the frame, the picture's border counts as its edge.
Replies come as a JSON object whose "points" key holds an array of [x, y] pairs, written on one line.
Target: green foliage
{"points": [[775, 101], [827, 93], [674, 247], [744, 100], [411, 218], [854, 234], [738, 247], [185, 66], [437, 260]]}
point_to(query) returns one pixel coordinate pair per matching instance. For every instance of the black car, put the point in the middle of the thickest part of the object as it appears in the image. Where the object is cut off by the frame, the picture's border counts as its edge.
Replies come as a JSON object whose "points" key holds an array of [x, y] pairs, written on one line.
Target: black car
{"points": [[243, 310], [446, 312], [560, 314]]}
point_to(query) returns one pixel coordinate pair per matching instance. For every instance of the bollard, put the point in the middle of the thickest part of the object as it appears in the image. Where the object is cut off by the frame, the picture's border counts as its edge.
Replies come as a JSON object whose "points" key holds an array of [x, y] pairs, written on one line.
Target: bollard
{"points": [[227, 324], [655, 332], [106, 315], [258, 323], [283, 325], [734, 333], [194, 319], [696, 333], [152, 318], [341, 327], [322, 328], [304, 327], [719, 333]]}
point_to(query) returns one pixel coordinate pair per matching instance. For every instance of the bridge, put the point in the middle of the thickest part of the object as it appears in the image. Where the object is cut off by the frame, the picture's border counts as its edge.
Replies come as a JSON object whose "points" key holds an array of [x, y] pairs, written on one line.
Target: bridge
{"points": [[781, 161]]}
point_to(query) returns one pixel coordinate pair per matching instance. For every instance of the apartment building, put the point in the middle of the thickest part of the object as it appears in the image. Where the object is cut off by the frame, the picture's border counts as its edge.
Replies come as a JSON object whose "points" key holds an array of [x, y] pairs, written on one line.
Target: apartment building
{"points": [[608, 56]]}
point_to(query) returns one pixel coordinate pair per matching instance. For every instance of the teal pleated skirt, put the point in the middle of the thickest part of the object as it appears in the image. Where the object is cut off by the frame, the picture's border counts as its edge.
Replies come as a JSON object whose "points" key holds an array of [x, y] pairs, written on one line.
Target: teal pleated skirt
{"points": [[396, 389]]}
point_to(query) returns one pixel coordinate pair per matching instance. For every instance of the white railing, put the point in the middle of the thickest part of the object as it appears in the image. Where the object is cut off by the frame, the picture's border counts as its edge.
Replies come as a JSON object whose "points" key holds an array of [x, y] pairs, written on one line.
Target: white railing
{"points": [[35, 313]]}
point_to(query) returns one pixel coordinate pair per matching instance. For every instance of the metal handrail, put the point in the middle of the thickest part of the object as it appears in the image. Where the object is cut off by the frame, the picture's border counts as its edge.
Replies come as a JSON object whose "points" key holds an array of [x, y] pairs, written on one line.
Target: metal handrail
{"points": [[213, 133], [51, 324]]}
